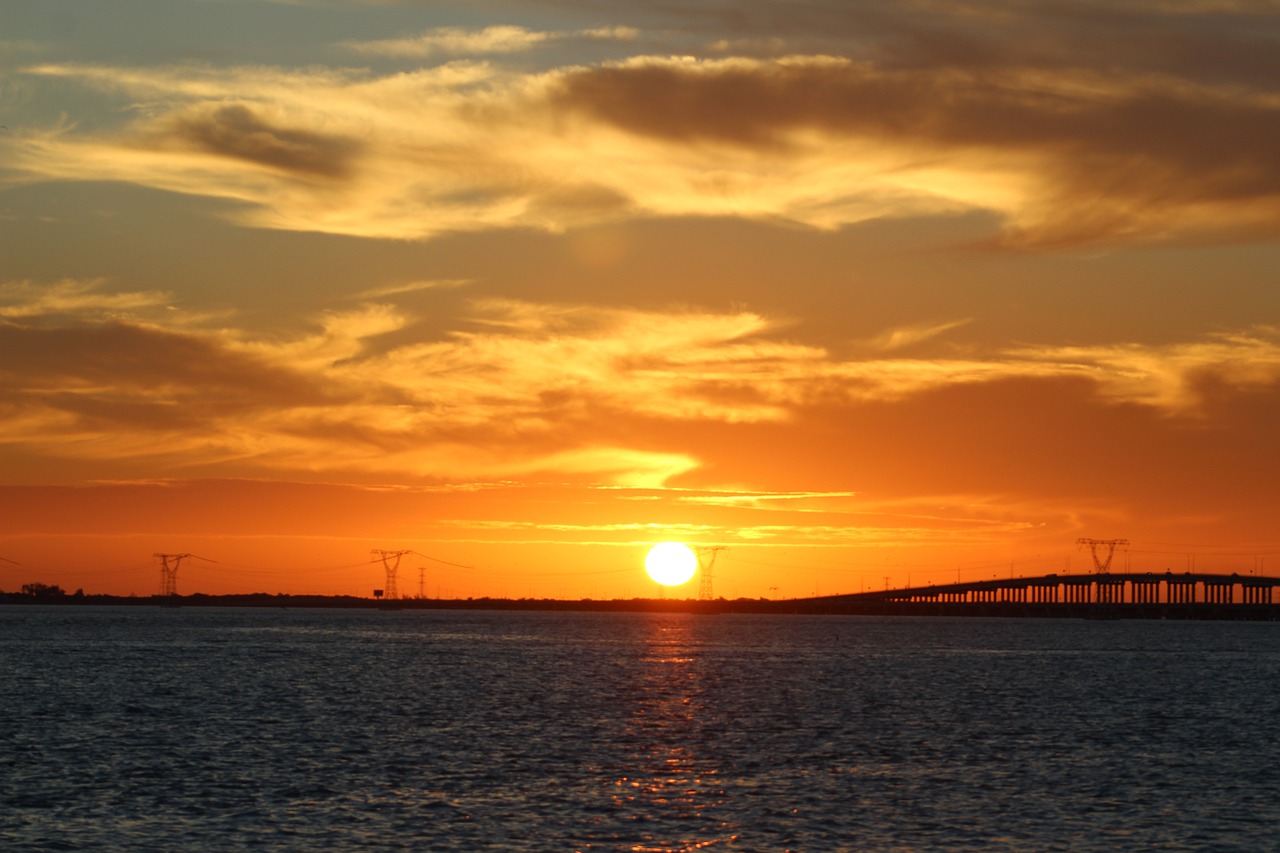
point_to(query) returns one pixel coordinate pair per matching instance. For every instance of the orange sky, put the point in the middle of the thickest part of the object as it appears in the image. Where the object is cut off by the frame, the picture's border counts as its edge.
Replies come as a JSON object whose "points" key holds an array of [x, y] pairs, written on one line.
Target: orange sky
{"points": [[867, 292]]}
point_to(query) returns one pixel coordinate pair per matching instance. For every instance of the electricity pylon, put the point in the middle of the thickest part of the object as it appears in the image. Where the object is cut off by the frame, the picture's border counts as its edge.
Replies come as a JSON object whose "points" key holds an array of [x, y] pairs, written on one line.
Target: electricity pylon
{"points": [[391, 562], [169, 573], [1102, 564], [705, 592]]}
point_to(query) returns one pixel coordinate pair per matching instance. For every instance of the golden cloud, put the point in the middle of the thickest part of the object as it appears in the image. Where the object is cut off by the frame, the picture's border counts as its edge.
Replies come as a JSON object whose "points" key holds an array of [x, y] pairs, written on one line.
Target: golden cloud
{"points": [[1067, 156], [73, 297], [458, 41], [1171, 377], [526, 389]]}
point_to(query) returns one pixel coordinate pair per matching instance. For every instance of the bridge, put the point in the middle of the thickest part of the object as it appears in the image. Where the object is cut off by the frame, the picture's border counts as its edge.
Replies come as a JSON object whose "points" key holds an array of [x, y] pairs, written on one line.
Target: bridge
{"points": [[1150, 595]]}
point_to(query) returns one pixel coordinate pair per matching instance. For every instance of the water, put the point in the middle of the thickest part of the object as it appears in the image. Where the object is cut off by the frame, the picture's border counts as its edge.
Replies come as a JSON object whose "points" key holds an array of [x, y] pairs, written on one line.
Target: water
{"points": [[222, 729]]}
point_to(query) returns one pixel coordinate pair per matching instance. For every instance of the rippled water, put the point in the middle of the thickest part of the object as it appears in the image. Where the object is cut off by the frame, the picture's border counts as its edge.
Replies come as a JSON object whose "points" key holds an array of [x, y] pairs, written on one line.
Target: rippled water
{"points": [[187, 729]]}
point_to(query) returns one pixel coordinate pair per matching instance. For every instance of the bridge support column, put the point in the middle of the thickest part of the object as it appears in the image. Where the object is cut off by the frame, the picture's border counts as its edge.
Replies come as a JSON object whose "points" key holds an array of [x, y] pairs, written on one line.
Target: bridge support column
{"points": [[1182, 592]]}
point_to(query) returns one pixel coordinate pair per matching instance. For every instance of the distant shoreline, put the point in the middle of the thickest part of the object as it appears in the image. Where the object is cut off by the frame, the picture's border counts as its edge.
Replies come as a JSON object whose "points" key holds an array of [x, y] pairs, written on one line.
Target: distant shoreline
{"points": [[829, 606], [286, 600]]}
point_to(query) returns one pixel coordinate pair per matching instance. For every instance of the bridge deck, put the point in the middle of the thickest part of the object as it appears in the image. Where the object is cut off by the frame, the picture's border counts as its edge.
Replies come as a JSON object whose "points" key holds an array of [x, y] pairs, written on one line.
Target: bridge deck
{"points": [[1122, 589]]}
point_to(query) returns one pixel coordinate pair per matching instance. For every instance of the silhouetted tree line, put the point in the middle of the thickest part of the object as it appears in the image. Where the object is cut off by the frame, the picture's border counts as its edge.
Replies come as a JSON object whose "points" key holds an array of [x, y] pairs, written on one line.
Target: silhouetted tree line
{"points": [[47, 591]]}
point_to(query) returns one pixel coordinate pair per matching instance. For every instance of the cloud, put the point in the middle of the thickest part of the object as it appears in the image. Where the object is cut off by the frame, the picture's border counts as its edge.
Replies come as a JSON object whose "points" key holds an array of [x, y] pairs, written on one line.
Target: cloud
{"points": [[1069, 159], [1228, 41], [767, 500], [412, 287], [69, 297], [517, 398], [94, 366], [458, 41], [542, 363], [237, 131], [582, 392], [906, 336], [1174, 377], [1069, 148]]}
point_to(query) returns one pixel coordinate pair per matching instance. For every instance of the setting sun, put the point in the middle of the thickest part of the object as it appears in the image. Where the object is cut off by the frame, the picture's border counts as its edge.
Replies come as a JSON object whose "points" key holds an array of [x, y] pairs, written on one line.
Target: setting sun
{"points": [[671, 563]]}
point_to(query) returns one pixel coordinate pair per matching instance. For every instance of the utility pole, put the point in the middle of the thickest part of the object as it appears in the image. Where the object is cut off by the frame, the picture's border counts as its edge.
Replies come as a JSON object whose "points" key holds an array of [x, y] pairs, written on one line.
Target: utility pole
{"points": [[421, 569]]}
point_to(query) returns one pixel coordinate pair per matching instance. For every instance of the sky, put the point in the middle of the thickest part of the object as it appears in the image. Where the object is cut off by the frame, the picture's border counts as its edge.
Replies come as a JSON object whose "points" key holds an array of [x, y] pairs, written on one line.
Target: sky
{"points": [[865, 293]]}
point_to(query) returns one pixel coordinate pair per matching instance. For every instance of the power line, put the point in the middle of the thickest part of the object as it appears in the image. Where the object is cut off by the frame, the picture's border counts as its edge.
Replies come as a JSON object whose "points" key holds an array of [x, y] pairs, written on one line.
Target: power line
{"points": [[436, 560]]}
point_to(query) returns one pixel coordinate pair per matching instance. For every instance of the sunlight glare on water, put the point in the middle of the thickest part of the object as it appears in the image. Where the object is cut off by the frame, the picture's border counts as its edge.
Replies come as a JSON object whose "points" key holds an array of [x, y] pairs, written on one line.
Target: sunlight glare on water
{"points": [[148, 728]]}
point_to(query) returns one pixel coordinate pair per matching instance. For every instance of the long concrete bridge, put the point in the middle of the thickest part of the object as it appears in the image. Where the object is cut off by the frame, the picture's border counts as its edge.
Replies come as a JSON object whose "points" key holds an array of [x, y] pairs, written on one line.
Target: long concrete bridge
{"points": [[1186, 595]]}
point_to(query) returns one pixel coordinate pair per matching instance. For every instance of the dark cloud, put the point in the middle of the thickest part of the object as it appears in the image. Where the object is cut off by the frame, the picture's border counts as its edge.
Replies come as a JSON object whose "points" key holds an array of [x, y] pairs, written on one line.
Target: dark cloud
{"points": [[1237, 42], [1105, 160], [113, 372], [236, 131], [1240, 46]]}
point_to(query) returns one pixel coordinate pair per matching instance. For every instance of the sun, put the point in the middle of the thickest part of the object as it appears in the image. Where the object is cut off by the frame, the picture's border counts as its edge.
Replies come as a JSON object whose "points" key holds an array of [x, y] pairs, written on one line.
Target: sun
{"points": [[671, 563]]}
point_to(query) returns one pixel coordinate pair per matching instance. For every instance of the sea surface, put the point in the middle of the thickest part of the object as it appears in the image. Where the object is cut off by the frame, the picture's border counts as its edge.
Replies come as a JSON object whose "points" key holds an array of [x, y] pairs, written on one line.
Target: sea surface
{"points": [[141, 728]]}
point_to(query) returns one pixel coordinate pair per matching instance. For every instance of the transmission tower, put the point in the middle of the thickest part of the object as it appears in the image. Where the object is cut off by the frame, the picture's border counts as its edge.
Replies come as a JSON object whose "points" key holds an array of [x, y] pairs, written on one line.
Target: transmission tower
{"points": [[169, 573], [391, 562], [1102, 551], [704, 570]]}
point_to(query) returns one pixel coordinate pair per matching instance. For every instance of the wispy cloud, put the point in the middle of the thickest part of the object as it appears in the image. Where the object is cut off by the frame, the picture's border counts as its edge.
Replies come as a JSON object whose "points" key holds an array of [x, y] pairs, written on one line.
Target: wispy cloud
{"points": [[519, 388], [1097, 149], [458, 41], [412, 287], [906, 336], [1174, 377], [1072, 158], [70, 297]]}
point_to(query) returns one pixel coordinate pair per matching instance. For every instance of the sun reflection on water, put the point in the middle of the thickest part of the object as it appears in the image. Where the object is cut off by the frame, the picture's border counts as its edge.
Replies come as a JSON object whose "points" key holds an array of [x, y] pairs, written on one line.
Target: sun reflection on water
{"points": [[670, 779]]}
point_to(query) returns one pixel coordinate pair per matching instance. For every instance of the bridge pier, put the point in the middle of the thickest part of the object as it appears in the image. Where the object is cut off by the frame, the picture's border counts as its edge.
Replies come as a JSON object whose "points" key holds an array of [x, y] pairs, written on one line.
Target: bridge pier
{"points": [[1146, 591], [1110, 591], [1256, 594], [1076, 592], [1044, 593], [1180, 591], [1219, 591]]}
